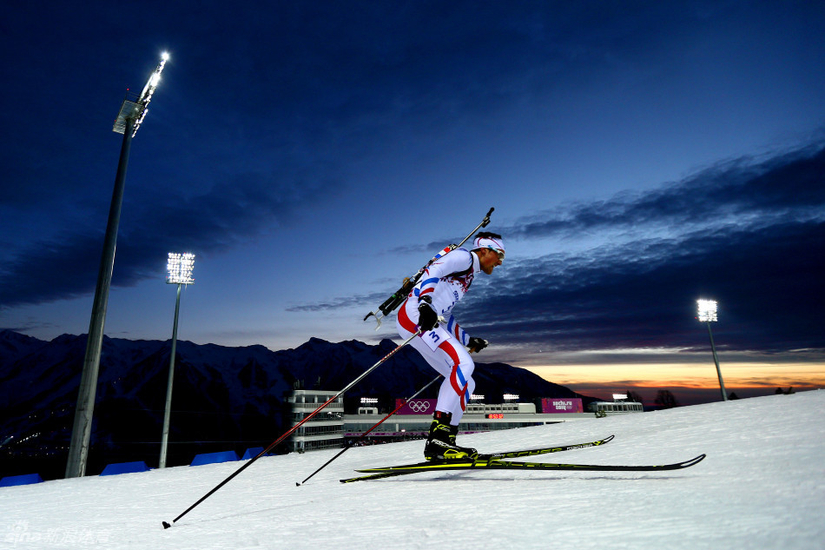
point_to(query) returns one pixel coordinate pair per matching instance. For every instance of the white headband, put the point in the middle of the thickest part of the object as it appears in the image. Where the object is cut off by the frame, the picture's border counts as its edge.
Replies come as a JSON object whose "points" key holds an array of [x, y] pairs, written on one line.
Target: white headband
{"points": [[489, 242]]}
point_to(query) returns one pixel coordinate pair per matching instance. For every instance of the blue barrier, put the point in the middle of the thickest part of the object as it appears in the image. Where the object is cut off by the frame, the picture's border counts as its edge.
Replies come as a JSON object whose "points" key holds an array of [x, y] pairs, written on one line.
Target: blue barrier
{"points": [[214, 458], [124, 468], [252, 452], [25, 479]]}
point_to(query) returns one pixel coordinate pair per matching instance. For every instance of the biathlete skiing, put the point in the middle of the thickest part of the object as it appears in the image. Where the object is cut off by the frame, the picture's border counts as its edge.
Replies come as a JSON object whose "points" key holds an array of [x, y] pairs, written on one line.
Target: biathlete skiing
{"points": [[444, 344]]}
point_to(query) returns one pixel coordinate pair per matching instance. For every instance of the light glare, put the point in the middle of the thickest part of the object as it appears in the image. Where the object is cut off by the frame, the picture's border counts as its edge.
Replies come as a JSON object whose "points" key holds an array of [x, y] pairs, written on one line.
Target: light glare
{"points": [[180, 267], [707, 311], [148, 90]]}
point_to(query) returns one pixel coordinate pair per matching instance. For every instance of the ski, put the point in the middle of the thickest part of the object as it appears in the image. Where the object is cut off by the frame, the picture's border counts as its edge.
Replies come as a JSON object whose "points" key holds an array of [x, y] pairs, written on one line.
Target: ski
{"points": [[506, 454], [488, 457], [498, 464], [544, 450]]}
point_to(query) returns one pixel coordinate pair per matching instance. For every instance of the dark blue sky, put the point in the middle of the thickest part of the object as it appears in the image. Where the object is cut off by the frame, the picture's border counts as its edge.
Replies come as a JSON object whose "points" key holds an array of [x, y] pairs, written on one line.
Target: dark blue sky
{"points": [[639, 155]]}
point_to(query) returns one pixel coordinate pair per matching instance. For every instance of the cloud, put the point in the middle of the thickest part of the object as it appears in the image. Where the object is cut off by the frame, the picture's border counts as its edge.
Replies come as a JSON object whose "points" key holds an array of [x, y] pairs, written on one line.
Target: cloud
{"points": [[227, 214], [737, 192], [750, 235], [642, 294]]}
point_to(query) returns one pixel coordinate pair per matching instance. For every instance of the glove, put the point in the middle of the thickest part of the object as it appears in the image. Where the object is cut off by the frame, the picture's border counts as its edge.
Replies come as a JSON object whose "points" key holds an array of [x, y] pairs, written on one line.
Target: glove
{"points": [[427, 317], [477, 344]]}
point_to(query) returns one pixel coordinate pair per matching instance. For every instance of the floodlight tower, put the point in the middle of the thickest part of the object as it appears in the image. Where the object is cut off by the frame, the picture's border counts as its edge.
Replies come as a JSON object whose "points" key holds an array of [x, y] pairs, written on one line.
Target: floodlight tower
{"points": [[707, 315], [127, 123], [179, 267]]}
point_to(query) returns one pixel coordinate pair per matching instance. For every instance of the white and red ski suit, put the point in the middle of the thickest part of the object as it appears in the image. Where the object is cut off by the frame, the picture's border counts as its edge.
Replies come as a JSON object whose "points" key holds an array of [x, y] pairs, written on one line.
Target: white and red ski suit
{"points": [[445, 281]]}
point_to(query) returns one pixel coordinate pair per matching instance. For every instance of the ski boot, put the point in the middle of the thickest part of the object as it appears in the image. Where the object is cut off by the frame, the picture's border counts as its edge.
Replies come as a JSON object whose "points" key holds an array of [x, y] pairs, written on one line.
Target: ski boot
{"points": [[472, 453], [441, 441]]}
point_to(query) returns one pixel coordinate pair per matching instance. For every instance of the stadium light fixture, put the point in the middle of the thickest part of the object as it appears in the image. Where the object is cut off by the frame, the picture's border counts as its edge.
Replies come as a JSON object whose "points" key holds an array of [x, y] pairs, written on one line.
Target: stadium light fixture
{"points": [[149, 90], [127, 122], [179, 269], [707, 313]]}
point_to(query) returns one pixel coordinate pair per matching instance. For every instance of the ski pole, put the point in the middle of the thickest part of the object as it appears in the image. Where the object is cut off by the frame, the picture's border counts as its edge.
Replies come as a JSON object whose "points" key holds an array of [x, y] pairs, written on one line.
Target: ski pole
{"points": [[363, 435], [167, 525]]}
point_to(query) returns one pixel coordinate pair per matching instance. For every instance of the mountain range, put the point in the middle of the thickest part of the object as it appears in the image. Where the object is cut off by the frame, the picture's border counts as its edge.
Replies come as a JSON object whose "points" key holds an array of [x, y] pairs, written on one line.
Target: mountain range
{"points": [[223, 398]]}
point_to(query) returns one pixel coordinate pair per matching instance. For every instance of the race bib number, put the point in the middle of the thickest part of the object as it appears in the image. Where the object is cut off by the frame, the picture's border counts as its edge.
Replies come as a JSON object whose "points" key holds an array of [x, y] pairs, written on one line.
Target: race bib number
{"points": [[434, 337]]}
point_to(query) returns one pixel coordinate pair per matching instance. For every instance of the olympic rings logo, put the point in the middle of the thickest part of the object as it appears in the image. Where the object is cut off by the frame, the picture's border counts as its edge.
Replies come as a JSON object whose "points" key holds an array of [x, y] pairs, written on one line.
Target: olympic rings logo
{"points": [[419, 406]]}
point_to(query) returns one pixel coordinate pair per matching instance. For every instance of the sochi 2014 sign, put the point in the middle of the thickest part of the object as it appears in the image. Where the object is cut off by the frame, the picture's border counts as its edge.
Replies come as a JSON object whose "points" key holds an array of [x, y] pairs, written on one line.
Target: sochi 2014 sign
{"points": [[417, 406], [561, 405]]}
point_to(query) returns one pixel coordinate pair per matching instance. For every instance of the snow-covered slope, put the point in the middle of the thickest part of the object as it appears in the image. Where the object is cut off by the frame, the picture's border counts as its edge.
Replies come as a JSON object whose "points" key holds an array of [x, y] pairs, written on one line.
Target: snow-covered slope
{"points": [[761, 486]]}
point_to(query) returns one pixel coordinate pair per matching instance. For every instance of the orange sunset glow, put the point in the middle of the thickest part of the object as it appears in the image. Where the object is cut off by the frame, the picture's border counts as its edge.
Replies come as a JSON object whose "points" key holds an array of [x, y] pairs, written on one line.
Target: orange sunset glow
{"points": [[690, 382]]}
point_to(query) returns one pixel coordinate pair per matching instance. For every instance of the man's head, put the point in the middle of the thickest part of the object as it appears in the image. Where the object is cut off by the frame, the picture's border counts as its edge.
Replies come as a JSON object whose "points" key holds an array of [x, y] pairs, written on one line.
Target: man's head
{"points": [[490, 250]]}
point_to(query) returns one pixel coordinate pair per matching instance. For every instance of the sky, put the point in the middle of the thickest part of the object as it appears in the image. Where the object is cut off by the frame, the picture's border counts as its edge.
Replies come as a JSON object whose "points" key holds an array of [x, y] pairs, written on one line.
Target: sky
{"points": [[639, 156]]}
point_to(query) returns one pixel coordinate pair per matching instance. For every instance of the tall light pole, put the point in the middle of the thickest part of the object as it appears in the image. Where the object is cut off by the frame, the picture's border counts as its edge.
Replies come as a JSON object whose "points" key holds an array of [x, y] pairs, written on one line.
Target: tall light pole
{"points": [[707, 315], [127, 123], [179, 267]]}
